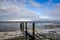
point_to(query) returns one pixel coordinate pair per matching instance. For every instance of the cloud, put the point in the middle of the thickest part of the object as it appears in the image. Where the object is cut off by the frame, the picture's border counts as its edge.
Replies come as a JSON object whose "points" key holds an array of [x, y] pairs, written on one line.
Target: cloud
{"points": [[31, 3], [53, 12], [15, 10], [34, 4], [49, 10]]}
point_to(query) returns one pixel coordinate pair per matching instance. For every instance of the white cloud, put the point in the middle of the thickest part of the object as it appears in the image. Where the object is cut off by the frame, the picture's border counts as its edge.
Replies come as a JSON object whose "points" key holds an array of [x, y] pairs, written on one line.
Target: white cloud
{"points": [[53, 12], [36, 5], [15, 10]]}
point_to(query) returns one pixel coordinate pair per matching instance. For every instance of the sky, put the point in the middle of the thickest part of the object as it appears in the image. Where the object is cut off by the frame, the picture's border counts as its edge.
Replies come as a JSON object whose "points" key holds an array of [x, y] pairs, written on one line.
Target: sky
{"points": [[30, 10]]}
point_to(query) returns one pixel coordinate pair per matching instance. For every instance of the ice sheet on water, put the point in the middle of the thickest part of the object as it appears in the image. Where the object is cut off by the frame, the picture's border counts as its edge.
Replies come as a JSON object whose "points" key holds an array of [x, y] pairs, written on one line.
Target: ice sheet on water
{"points": [[10, 35]]}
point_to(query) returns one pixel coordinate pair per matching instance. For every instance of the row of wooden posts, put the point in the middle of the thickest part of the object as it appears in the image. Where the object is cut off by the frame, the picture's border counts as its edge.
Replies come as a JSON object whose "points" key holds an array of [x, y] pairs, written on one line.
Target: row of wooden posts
{"points": [[23, 25]]}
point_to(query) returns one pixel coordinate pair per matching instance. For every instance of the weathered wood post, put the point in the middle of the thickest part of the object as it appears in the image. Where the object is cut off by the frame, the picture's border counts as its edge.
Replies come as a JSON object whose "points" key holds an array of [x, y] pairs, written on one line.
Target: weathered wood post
{"points": [[22, 26], [33, 31], [26, 30]]}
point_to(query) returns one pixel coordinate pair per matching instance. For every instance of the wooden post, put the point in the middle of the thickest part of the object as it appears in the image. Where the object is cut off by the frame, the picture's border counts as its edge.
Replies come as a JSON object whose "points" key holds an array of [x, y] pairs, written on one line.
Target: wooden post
{"points": [[33, 31], [26, 30], [22, 26]]}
